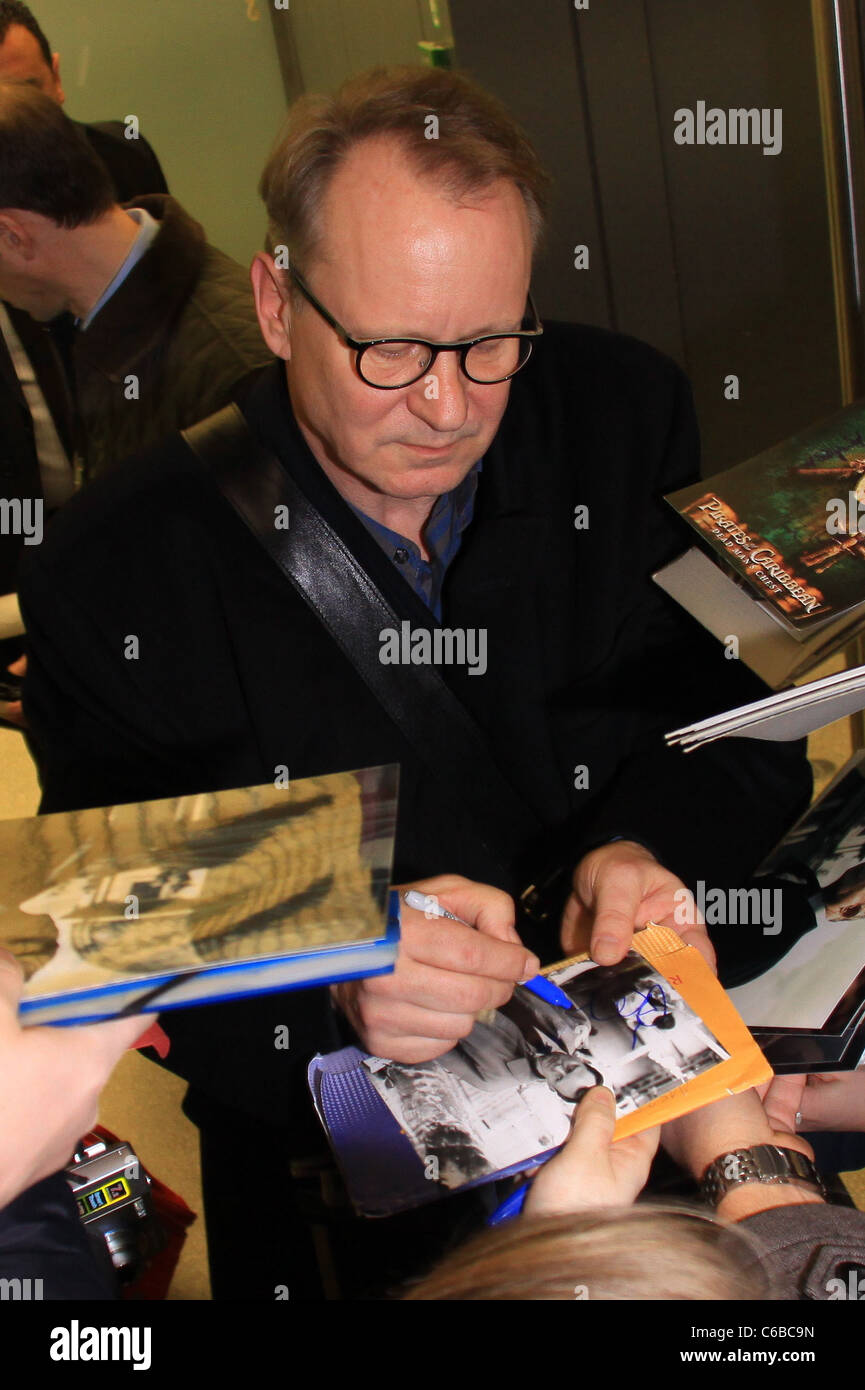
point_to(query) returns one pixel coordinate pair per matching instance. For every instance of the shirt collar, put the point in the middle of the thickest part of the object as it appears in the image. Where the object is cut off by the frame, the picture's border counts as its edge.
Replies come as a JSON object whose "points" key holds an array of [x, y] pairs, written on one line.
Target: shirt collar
{"points": [[449, 517], [148, 230]]}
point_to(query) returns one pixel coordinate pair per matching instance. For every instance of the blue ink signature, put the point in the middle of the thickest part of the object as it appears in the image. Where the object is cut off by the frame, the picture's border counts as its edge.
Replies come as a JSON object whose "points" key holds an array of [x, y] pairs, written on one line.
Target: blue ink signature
{"points": [[653, 998]]}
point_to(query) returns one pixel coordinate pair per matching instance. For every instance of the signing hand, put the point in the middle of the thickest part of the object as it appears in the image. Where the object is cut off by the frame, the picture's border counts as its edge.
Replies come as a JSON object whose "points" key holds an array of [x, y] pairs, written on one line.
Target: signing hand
{"points": [[50, 1080], [445, 973], [620, 887], [591, 1170]]}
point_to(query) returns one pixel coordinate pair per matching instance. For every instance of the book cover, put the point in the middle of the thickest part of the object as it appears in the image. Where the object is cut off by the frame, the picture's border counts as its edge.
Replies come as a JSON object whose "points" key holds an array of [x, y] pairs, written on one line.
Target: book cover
{"points": [[786, 522], [657, 1028], [189, 899]]}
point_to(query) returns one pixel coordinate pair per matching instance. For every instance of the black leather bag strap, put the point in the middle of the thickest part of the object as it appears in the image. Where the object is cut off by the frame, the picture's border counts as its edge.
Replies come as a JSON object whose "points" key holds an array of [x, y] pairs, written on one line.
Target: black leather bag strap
{"points": [[329, 578]]}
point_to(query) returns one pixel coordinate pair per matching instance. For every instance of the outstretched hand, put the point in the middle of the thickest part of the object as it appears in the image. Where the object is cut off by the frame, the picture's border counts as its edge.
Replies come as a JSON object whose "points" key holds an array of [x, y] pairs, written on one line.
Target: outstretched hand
{"points": [[621, 887], [830, 1100], [50, 1080]]}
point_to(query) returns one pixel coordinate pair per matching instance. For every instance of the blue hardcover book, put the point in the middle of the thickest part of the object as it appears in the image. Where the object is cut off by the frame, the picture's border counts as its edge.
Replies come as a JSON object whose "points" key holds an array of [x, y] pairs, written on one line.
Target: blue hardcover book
{"points": [[163, 904]]}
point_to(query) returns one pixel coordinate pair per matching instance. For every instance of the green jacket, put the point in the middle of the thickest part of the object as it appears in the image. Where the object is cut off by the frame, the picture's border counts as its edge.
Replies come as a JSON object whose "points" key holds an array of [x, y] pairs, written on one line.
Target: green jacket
{"points": [[171, 346]]}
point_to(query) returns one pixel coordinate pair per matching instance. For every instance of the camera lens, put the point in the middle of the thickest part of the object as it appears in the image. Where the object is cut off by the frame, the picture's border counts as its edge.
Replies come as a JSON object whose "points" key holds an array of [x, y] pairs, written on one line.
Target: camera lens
{"points": [[123, 1247]]}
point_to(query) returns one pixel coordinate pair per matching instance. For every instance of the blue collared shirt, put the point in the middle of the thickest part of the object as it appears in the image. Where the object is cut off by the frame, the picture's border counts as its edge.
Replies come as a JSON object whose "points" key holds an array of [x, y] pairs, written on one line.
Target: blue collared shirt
{"points": [[443, 533], [148, 230]]}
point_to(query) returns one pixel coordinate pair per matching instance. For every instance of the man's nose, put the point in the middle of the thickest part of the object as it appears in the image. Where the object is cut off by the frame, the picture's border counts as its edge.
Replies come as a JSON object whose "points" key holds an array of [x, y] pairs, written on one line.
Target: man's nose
{"points": [[439, 397]]}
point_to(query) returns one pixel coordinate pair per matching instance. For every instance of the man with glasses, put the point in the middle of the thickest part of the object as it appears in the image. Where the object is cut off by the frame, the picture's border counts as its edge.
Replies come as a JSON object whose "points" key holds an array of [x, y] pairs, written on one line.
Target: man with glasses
{"points": [[472, 469]]}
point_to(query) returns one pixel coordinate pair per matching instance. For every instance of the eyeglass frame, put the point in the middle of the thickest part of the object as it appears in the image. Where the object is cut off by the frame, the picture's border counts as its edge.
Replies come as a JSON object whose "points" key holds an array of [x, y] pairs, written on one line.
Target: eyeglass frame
{"points": [[360, 345]]}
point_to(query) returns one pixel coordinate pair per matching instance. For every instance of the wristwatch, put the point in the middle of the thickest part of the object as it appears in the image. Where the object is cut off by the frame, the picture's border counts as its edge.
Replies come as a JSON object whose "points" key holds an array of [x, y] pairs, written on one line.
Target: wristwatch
{"points": [[766, 1163]]}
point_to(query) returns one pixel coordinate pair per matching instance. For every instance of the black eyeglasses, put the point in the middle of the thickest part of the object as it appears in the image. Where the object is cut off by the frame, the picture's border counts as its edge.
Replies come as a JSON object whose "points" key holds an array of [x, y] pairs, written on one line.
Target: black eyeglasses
{"points": [[388, 364]]}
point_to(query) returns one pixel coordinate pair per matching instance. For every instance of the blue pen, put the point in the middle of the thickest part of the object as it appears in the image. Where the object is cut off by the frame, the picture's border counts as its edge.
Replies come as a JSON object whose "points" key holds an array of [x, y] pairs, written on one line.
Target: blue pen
{"points": [[510, 1207], [540, 985]]}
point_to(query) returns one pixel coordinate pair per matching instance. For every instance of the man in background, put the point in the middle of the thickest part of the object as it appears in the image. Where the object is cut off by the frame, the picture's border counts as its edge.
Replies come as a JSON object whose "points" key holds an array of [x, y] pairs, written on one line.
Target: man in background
{"points": [[33, 399], [149, 328]]}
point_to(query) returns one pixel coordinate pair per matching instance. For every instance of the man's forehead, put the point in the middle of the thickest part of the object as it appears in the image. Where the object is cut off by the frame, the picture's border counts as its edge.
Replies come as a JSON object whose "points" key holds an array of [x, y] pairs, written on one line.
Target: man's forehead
{"points": [[403, 256], [377, 191]]}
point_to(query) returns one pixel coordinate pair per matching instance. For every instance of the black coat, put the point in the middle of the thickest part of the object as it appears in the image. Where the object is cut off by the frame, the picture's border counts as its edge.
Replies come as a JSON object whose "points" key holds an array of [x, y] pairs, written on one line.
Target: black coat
{"points": [[588, 662]]}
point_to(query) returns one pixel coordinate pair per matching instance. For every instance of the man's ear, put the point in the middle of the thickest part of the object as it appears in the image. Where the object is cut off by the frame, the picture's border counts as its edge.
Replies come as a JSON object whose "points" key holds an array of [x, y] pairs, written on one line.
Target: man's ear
{"points": [[16, 242], [58, 85], [274, 312]]}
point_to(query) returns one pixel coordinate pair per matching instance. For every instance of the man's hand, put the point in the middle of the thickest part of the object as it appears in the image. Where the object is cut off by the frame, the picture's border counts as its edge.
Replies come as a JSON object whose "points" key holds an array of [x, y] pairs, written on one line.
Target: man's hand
{"points": [[50, 1080], [445, 973], [621, 887], [591, 1170]]}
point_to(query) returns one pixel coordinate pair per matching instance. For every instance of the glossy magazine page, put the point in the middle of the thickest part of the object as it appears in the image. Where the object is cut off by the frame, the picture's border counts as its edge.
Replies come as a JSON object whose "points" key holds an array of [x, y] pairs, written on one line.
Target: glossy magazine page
{"points": [[187, 898]]}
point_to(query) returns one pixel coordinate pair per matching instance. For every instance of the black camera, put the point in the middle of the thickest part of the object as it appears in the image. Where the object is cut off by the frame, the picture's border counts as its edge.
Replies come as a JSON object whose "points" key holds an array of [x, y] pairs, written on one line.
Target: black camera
{"points": [[112, 1192]]}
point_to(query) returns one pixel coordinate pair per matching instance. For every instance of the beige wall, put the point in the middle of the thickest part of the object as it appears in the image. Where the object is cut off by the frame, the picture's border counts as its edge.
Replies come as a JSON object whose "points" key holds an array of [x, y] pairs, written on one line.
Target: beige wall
{"points": [[204, 81]]}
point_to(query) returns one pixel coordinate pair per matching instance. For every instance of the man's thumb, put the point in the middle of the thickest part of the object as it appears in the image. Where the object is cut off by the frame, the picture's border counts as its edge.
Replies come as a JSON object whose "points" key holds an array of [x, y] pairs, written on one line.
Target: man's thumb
{"points": [[595, 1116]]}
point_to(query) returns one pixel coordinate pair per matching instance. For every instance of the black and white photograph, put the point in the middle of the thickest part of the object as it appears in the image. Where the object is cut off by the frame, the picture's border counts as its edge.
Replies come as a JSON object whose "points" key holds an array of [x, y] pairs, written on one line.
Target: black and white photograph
{"points": [[506, 1092]]}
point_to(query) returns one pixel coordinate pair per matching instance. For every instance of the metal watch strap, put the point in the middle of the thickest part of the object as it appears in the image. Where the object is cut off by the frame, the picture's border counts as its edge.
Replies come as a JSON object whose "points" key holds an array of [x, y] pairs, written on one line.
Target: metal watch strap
{"points": [[763, 1163]]}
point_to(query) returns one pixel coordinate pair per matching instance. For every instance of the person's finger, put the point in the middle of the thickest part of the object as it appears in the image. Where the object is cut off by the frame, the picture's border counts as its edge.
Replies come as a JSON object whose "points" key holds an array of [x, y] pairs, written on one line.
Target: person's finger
{"points": [[594, 1123], [442, 991], [575, 933], [488, 909], [453, 947], [19, 667], [583, 1156], [617, 898], [782, 1101], [819, 1110]]}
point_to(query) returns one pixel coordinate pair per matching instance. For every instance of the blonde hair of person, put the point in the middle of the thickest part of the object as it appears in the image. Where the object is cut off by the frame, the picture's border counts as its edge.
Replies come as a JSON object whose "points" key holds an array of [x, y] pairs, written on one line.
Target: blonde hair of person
{"points": [[646, 1252]]}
